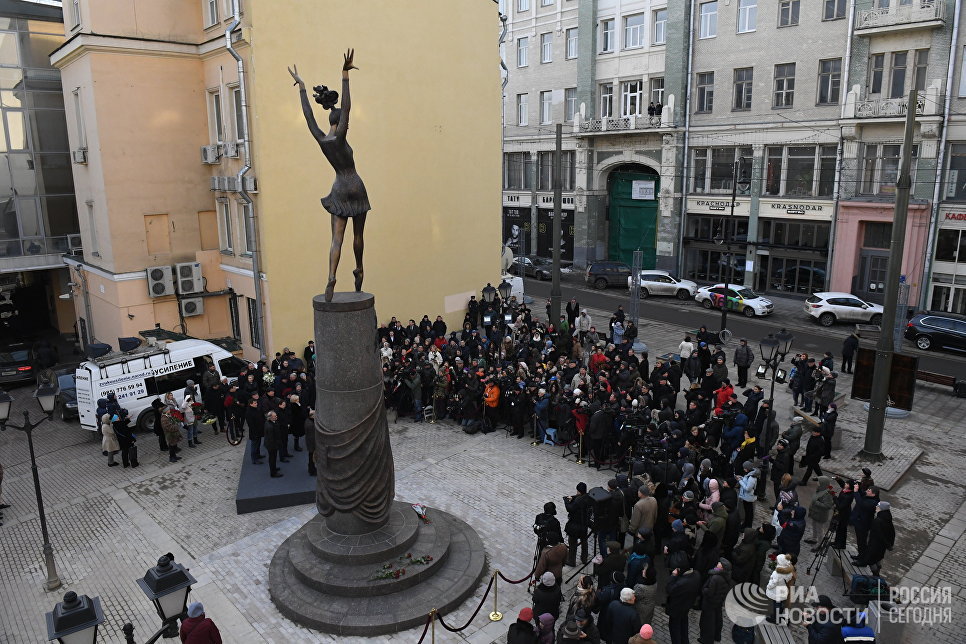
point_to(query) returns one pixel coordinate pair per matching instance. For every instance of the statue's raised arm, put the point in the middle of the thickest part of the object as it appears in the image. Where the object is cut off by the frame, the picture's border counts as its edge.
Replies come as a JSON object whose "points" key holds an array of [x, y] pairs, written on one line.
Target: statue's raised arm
{"points": [[343, 126]]}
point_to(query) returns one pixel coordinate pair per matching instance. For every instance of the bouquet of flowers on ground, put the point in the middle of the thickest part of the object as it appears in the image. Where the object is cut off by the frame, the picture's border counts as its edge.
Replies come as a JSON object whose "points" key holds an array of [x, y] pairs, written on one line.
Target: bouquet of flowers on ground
{"points": [[421, 511], [208, 419]]}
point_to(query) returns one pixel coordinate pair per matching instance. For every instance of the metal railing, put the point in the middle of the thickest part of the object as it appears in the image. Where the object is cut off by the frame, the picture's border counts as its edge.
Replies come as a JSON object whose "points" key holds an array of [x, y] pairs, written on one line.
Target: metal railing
{"points": [[618, 124], [38, 246], [896, 14], [887, 107]]}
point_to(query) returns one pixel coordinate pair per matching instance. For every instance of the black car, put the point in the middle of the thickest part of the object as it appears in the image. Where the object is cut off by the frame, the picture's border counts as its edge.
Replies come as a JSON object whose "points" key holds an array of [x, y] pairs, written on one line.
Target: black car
{"points": [[530, 266], [602, 275], [17, 363], [937, 330], [67, 394]]}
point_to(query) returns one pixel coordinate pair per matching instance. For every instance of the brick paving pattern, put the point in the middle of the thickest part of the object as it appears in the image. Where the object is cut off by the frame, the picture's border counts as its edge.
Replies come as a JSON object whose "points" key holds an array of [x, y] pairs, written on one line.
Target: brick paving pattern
{"points": [[108, 525]]}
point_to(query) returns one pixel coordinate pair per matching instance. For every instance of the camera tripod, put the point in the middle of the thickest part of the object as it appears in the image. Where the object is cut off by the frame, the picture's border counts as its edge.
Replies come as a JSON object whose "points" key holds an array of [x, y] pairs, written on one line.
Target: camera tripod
{"points": [[821, 550], [592, 534]]}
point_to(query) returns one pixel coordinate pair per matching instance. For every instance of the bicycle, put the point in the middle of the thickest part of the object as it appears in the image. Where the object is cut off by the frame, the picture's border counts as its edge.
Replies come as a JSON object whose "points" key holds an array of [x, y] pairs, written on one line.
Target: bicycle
{"points": [[234, 432]]}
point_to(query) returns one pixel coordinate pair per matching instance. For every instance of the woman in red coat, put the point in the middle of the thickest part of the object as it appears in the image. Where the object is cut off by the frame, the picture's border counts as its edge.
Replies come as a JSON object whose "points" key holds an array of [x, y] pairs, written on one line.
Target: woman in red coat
{"points": [[198, 629]]}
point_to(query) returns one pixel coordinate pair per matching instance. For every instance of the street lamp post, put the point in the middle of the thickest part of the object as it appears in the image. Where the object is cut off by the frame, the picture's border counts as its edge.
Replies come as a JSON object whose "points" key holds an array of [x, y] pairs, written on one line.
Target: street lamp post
{"points": [[75, 620], [505, 289], [167, 586], [45, 395], [773, 350], [722, 239]]}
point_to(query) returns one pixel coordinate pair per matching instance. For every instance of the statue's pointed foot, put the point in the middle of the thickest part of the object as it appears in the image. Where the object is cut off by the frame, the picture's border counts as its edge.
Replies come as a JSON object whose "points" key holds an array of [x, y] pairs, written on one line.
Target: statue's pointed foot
{"points": [[330, 289], [358, 275]]}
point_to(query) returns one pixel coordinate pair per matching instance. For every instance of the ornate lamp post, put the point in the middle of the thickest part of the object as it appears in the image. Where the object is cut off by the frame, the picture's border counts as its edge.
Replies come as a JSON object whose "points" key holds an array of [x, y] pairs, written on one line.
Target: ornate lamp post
{"points": [[75, 620], [167, 586], [773, 350], [46, 397], [505, 288]]}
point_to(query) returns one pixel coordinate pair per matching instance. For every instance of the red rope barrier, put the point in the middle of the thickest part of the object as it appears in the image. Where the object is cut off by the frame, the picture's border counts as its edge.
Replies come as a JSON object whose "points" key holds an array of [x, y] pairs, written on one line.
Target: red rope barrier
{"points": [[429, 619], [518, 581], [475, 613]]}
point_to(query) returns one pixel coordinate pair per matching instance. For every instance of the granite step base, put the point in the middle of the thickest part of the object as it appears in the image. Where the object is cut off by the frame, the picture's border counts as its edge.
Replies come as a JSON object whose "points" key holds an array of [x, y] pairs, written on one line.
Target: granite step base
{"points": [[327, 596]]}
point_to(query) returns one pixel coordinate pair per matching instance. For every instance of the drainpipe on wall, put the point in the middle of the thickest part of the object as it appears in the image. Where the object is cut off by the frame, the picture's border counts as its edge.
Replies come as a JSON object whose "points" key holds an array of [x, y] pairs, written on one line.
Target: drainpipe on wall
{"points": [[87, 306], [250, 220], [940, 160], [687, 132]]}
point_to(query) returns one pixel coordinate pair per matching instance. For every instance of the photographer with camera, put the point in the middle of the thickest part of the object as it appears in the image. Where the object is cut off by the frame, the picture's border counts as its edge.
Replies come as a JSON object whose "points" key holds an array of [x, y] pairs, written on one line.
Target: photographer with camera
{"points": [[579, 521]]}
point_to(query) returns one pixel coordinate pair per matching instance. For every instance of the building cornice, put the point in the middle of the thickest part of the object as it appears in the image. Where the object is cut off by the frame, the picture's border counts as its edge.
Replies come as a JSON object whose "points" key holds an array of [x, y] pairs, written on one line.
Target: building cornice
{"points": [[100, 272], [83, 42]]}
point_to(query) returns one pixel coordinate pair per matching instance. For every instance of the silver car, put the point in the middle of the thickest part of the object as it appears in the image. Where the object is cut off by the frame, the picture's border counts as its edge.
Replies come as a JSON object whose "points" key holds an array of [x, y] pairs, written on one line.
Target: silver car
{"points": [[831, 307], [654, 282]]}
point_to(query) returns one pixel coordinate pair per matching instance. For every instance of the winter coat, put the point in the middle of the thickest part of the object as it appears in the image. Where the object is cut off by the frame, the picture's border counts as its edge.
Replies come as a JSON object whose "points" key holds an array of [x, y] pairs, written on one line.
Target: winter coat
{"points": [[716, 588], [790, 539], [682, 591], [309, 429], [747, 485], [777, 588], [199, 630], [552, 559], [643, 516], [521, 632], [718, 522], [623, 621], [882, 537], [825, 632], [864, 511], [744, 356], [646, 600], [189, 413], [273, 439], [545, 629], [814, 451], [820, 510], [109, 442], [613, 562], [547, 600], [762, 546], [743, 557]]}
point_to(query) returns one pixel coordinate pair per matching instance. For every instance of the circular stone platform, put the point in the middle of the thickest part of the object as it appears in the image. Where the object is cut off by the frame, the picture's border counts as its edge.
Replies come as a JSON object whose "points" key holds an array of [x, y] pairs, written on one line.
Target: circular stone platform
{"points": [[324, 580]]}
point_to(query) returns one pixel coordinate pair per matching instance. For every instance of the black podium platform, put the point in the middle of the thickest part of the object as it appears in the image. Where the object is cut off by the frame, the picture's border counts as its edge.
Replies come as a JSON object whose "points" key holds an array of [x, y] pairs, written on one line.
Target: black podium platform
{"points": [[258, 491]]}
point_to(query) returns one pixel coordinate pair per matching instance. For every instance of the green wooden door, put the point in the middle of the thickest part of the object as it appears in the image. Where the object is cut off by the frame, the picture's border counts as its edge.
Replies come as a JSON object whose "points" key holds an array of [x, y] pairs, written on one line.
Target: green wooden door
{"points": [[633, 222]]}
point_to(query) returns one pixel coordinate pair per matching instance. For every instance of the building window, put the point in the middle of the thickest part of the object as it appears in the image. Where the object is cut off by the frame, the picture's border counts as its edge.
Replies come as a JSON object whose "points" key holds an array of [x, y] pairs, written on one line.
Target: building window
{"points": [[224, 225], [606, 100], [92, 246], [747, 15], [217, 123], [880, 168], [522, 109], [211, 13], [784, 85], [234, 317], [546, 48], [919, 74], [75, 14], [632, 93], [660, 26], [877, 234], [606, 36], [714, 168], [246, 224], [253, 322], [834, 9], [79, 118], [516, 169], [523, 5], [546, 3], [570, 103], [705, 92], [657, 91], [800, 171], [568, 171], [709, 20], [545, 171], [572, 42], [744, 79], [788, 12], [546, 102], [897, 74], [950, 246], [236, 102], [829, 81], [523, 44], [876, 73], [962, 75], [956, 177], [634, 31]]}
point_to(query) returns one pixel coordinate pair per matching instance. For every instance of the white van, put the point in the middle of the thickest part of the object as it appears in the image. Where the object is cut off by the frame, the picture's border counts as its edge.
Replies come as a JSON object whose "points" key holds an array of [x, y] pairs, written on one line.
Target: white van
{"points": [[138, 377]]}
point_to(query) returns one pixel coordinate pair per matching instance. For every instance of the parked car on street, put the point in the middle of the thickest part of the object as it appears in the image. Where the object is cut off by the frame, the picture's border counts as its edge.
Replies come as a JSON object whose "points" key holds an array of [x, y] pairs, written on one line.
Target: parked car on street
{"points": [[538, 268], [67, 394], [831, 307], [602, 275], [17, 363], [738, 298], [654, 282], [937, 330]]}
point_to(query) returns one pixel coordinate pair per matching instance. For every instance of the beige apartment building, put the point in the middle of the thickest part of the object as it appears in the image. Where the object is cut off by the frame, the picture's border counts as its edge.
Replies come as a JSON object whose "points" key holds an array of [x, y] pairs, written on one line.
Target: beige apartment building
{"points": [[195, 171]]}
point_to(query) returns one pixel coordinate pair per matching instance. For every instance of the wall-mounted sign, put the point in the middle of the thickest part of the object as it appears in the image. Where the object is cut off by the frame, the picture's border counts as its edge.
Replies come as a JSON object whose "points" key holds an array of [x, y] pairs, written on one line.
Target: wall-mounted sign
{"points": [[642, 190]]}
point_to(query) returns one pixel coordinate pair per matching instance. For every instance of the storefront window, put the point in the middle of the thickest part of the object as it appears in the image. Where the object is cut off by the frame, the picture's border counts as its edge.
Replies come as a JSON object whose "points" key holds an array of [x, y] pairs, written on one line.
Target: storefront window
{"points": [[948, 298], [877, 235], [713, 168], [801, 171], [700, 171], [951, 246], [773, 171], [956, 179], [826, 172], [880, 168], [722, 169]]}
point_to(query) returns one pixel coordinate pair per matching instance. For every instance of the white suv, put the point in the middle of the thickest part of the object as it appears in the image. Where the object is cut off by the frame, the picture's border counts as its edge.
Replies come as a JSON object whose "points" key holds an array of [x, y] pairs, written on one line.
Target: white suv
{"points": [[831, 307], [662, 283]]}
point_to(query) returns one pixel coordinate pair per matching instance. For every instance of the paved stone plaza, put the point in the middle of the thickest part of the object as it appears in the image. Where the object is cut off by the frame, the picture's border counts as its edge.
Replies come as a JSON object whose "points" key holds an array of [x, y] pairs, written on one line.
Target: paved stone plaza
{"points": [[108, 525]]}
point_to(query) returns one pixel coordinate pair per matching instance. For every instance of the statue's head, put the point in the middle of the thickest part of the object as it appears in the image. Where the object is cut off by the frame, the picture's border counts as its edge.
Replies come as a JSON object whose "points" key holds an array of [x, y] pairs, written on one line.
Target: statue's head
{"points": [[325, 97]]}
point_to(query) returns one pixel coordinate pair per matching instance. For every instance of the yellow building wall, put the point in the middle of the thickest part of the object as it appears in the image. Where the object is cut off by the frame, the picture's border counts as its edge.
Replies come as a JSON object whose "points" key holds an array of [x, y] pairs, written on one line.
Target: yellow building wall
{"points": [[425, 130]]}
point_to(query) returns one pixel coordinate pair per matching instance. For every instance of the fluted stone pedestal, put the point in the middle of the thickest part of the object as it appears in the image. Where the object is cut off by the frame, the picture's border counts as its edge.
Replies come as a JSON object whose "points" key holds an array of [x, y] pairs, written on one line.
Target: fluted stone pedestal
{"points": [[323, 576]]}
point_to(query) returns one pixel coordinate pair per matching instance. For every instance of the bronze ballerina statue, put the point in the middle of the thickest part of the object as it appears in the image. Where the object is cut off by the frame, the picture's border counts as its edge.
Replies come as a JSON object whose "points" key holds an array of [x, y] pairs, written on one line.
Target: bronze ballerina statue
{"points": [[348, 198]]}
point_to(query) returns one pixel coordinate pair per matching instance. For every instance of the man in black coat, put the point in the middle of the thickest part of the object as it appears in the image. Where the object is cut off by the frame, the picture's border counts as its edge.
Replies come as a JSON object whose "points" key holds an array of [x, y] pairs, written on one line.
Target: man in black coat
{"points": [[272, 442], [623, 620], [744, 358], [863, 514], [849, 347], [843, 512], [781, 464], [814, 451], [683, 589], [256, 429], [578, 523], [882, 537]]}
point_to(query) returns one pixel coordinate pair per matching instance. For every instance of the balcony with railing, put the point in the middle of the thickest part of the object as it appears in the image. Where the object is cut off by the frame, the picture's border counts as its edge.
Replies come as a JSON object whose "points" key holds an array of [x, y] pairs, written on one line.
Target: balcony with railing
{"points": [[901, 15], [32, 253], [928, 103], [625, 124]]}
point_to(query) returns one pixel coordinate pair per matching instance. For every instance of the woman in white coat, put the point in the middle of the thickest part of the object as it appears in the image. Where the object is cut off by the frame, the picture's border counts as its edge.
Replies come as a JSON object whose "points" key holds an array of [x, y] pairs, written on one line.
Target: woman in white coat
{"points": [[109, 443], [778, 585], [190, 422]]}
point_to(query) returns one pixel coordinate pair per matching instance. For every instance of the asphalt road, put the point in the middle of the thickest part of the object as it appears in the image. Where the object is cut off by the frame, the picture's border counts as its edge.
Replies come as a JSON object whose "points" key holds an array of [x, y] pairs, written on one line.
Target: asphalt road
{"points": [[808, 336]]}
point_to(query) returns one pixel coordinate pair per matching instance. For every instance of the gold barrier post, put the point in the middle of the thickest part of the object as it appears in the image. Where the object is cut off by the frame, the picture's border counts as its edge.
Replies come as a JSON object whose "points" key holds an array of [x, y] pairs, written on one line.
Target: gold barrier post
{"points": [[432, 625], [580, 450], [496, 615]]}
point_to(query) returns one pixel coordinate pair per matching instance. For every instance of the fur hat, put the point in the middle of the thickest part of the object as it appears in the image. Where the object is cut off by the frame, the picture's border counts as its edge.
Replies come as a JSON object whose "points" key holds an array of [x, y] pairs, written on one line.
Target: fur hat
{"points": [[547, 579]]}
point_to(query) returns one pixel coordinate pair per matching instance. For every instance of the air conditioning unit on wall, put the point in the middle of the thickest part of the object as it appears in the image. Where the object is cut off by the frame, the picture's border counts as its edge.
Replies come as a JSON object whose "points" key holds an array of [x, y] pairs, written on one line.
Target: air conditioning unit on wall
{"points": [[160, 281], [189, 278], [191, 306], [209, 154]]}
